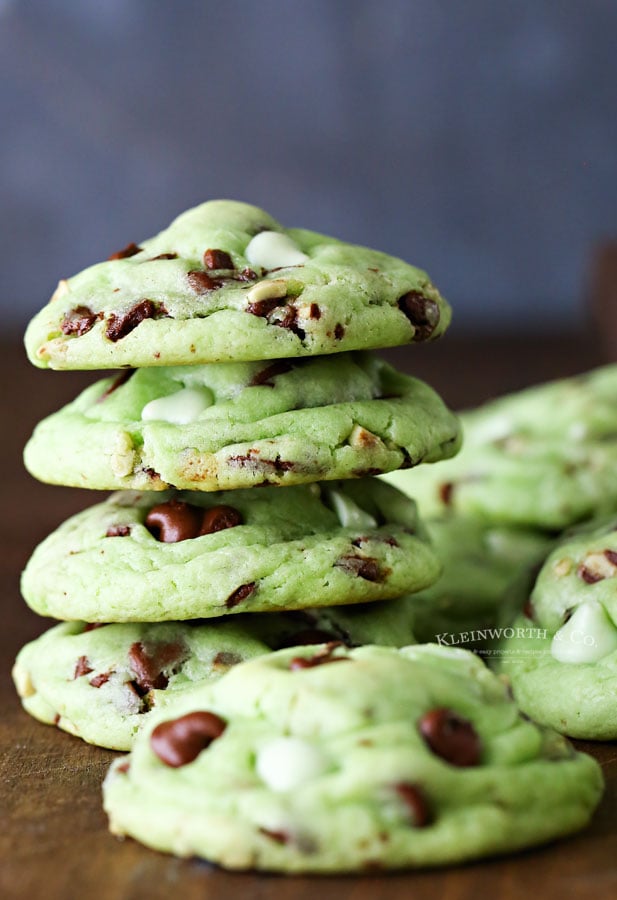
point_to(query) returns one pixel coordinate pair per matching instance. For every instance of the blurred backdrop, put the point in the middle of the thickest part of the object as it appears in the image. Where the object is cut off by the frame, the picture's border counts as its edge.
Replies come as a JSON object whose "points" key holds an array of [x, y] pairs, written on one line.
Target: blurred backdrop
{"points": [[477, 140]]}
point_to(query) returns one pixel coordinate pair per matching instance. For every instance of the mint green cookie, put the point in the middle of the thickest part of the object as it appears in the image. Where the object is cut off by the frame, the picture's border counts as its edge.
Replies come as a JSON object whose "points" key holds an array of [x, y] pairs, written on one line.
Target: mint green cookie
{"points": [[227, 282], [544, 457], [103, 684], [481, 561], [324, 759], [142, 557], [561, 658], [234, 425]]}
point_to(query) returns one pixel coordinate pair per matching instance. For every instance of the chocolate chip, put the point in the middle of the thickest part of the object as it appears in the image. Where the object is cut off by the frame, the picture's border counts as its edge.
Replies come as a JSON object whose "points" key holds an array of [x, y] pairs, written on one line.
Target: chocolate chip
{"points": [[174, 521], [119, 326], [240, 594], [415, 801], [130, 250], [82, 667], [180, 741], [446, 491], [362, 566], [451, 737], [339, 331], [314, 311], [264, 375], [218, 518], [225, 659], [217, 259], [164, 256], [124, 767], [79, 320], [528, 610], [99, 680], [92, 625], [202, 283], [246, 275], [588, 576], [263, 308], [281, 837], [121, 379], [611, 555], [422, 312], [149, 661], [118, 531], [319, 659]]}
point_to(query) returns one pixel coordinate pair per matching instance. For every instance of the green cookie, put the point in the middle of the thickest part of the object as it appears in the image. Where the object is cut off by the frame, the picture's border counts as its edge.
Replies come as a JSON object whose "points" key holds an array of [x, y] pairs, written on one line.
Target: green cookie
{"points": [[154, 557], [226, 282], [236, 425], [480, 563], [103, 683], [561, 657], [544, 457], [334, 760]]}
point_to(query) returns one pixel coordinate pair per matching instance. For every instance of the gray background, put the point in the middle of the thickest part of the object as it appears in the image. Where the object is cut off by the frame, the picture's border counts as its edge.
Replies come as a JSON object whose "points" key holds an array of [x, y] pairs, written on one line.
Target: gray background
{"points": [[476, 139]]}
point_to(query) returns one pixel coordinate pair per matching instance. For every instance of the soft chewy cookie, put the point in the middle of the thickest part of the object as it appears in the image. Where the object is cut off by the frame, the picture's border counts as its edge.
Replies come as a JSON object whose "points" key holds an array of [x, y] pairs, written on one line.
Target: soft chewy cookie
{"points": [[481, 561], [102, 683], [227, 282], [155, 557], [331, 760], [561, 655], [544, 457], [232, 425]]}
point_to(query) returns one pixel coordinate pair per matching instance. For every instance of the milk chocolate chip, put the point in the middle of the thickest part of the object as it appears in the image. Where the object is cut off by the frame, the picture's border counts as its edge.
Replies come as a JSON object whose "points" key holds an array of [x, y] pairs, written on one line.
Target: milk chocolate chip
{"points": [[180, 741], [422, 312], [451, 737], [79, 321], [174, 521], [218, 518], [130, 250], [149, 660], [217, 259], [415, 801], [119, 326]]}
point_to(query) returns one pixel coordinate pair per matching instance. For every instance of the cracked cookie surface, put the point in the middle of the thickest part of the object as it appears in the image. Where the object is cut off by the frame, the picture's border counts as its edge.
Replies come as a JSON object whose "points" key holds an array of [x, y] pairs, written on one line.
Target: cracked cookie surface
{"points": [[226, 282], [237, 425], [160, 557], [325, 759]]}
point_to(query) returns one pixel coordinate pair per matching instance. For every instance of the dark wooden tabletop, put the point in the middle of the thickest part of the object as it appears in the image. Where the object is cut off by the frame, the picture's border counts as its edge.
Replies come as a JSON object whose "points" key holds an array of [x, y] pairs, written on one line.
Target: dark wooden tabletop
{"points": [[54, 841]]}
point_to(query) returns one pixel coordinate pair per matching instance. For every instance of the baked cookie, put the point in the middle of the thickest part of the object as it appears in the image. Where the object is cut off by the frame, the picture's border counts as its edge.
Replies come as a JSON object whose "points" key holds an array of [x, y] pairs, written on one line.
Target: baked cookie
{"points": [[561, 655], [158, 557], [334, 760], [481, 562], [227, 282], [544, 457], [102, 683], [237, 425]]}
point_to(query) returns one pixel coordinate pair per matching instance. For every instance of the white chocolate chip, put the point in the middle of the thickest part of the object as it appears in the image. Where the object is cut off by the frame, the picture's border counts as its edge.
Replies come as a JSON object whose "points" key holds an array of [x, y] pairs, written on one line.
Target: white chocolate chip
{"points": [[267, 290], [23, 681], [361, 437], [562, 567], [587, 636], [273, 250], [349, 514], [287, 762], [122, 459], [180, 408]]}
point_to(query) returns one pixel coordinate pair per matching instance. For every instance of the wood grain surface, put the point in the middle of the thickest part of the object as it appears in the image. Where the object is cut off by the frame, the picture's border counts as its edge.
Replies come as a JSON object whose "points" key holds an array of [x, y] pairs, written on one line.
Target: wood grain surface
{"points": [[54, 841]]}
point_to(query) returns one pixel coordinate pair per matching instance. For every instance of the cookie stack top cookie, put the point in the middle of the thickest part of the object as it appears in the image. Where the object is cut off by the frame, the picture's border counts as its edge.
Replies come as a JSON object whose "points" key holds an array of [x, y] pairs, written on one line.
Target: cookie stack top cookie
{"points": [[226, 282]]}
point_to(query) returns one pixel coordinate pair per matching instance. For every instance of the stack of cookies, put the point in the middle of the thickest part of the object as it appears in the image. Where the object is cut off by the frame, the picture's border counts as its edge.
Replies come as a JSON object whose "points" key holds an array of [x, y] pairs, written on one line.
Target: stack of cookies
{"points": [[247, 361]]}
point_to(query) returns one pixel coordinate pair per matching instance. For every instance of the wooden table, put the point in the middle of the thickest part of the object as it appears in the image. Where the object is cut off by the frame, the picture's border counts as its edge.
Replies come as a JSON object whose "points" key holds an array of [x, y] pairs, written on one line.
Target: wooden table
{"points": [[53, 836]]}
